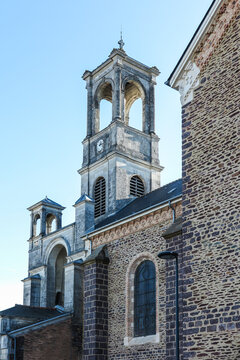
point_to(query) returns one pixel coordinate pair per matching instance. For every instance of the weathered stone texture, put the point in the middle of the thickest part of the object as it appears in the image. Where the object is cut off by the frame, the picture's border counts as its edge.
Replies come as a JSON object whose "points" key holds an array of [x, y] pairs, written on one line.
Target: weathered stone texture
{"points": [[211, 207], [96, 311]]}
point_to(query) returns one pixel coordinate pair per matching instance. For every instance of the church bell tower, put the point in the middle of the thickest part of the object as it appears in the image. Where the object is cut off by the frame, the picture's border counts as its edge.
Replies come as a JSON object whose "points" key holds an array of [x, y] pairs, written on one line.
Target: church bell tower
{"points": [[119, 162]]}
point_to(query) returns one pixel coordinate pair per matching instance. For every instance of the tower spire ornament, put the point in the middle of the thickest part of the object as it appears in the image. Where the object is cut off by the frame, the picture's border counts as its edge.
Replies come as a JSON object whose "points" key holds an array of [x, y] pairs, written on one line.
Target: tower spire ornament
{"points": [[120, 42]]}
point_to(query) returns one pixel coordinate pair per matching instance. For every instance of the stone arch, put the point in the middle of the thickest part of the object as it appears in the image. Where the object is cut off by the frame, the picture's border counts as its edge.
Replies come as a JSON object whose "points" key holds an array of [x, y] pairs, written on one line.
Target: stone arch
{"points": [[104, 91], [56, 259], [133, 90], [130, 275], [36, 224], [51, 223], [53, 243]]}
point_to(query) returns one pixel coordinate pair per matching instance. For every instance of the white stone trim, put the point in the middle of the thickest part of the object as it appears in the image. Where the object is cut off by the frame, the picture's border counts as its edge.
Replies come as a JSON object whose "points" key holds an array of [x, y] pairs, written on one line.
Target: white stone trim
{"points": [[188, 82], [187, 57], [77, 256], [116, 155], [129, 338], [141, 340], [53, 243]]}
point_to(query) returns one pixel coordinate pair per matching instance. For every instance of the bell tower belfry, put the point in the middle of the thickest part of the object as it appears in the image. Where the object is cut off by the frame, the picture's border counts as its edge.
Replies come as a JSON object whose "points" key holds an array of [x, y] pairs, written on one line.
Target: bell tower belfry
{"points": [[119, 162]]}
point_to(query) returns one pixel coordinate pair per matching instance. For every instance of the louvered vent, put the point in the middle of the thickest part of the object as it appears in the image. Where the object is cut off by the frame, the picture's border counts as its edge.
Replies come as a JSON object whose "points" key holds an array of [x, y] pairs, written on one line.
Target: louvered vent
{"points": [[136, 186], [100, 197]]}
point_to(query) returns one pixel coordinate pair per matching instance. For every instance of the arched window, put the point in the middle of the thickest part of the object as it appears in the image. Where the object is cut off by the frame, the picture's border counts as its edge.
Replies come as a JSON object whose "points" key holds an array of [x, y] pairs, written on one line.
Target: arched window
{"points": [[145, 299], [136, 186], [100, 197]]}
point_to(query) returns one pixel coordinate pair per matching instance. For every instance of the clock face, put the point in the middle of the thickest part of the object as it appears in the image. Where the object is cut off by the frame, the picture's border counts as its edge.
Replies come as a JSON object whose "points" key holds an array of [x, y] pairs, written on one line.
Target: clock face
{"points": [[100, 144]]}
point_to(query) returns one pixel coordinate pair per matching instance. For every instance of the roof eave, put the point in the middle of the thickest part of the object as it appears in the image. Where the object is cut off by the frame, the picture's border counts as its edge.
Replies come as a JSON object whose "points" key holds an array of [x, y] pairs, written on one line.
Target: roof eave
{"points": [[187, 54], [131, 217]]}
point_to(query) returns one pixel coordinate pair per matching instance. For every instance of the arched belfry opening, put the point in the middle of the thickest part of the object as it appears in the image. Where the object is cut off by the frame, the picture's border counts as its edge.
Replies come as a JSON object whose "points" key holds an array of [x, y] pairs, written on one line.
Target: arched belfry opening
{"points": [[127, 144], [55, 276], [134, 95], [103, 106], [51, 223], [36, 225]]}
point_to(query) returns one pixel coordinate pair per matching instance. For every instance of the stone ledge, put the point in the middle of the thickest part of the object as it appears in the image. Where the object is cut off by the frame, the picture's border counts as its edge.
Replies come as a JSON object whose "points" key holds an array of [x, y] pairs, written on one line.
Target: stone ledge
{"points": [[152, 339]]}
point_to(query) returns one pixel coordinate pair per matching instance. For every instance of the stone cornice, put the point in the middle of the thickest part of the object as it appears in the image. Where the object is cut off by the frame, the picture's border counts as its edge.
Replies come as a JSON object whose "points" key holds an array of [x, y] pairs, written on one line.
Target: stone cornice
{"points": [[157, 217], [117, 154]]}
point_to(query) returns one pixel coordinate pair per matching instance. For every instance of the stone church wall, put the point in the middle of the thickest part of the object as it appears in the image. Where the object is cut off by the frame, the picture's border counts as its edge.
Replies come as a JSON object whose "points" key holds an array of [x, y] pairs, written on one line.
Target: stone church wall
{"points": [[134, 248], [211, 309]]}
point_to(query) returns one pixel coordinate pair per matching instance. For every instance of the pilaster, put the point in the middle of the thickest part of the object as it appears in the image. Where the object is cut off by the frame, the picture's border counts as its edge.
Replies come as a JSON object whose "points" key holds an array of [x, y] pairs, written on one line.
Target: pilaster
{"points": [[73, 294], [32, 289], [96, 306]]}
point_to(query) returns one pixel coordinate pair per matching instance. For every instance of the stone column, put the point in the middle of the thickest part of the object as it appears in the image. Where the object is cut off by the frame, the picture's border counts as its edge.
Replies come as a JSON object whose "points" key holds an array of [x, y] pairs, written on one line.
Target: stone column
{"points": [[117, 93], [151, 109], [96, 306], [5, 346], [31, 226], [84, 218], [89, 108], [74, 288], [43, 222], [59, 221]]}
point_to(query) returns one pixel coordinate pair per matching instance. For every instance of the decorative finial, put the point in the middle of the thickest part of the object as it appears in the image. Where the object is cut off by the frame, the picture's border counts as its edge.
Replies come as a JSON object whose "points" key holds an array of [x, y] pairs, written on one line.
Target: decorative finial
{"points": [[120, 42], [46, 198]]}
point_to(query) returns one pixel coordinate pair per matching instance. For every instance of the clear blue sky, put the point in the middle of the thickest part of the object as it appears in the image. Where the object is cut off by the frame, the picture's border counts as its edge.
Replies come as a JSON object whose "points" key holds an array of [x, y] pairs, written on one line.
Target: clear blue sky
{"points": [[45, 48]]}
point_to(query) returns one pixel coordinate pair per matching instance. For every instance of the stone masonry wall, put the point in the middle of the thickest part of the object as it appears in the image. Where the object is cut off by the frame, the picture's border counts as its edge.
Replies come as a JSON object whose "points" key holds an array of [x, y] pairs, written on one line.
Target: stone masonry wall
{"points": [[211, 173], [122, 253], [95, 310], [174, 244], [57, 341]]}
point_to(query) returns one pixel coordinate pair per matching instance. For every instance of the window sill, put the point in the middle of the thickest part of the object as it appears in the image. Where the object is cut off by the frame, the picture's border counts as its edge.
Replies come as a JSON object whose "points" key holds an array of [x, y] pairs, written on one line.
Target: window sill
{"points": [[151, 339]]}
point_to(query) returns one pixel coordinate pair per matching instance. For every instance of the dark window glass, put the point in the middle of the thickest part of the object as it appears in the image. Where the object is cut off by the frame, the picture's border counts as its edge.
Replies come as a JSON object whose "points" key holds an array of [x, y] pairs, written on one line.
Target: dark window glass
{"points": [[100, 197], [145, 299], [136, 186]]}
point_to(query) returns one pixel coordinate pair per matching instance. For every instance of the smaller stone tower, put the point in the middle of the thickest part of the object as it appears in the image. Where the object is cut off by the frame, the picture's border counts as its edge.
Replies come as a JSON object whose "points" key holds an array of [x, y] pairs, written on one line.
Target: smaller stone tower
{"points": [[46, 216]]}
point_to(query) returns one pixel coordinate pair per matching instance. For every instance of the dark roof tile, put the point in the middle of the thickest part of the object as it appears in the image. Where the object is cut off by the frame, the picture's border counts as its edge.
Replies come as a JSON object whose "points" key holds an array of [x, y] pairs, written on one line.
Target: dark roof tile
{"points": [[24, 311], [156, 197]]}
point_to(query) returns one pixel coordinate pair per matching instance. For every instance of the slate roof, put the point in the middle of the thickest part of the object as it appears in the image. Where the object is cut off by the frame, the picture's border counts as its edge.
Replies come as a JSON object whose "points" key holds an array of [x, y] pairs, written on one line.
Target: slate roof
{"points": [[84, 197], [48, 202], [36, 313], [159, 196]]}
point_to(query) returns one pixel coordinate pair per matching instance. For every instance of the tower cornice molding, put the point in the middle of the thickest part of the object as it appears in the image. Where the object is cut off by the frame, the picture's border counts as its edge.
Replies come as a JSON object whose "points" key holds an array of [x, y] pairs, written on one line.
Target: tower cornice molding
{"points": [[113, 154]]}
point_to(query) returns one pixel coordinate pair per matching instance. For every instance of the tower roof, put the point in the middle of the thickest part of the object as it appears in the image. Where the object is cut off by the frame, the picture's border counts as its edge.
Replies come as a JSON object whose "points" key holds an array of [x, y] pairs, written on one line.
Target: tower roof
{"points": [[82, 198], [46, 202], [121, 54]]}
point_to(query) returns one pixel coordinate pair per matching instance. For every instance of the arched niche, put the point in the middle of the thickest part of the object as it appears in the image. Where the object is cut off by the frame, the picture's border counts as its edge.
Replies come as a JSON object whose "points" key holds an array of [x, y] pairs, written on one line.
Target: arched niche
{"points": [[103, 106], [133, 91], [55, 275]]}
